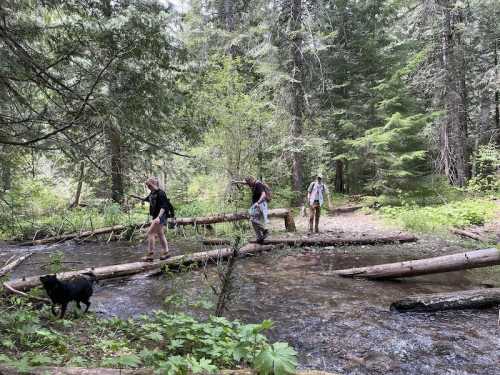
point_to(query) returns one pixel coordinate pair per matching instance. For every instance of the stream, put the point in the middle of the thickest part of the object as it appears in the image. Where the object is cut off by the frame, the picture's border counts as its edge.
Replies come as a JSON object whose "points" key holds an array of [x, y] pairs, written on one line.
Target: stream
{"points": [[335, 324]]}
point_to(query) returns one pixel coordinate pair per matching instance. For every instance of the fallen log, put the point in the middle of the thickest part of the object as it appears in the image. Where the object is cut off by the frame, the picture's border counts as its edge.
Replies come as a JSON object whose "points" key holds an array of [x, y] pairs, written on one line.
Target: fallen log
{"points": [[344, 210], [283, 213], [468, 234], [446, 263], [333, 241], [13, 264], [127, 269], [468, 299], [215, 241]]}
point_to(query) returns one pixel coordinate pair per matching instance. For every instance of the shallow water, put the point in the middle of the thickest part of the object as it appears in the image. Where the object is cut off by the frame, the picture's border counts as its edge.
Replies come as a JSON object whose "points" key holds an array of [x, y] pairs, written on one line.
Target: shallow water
{"points": [[335, 324]]}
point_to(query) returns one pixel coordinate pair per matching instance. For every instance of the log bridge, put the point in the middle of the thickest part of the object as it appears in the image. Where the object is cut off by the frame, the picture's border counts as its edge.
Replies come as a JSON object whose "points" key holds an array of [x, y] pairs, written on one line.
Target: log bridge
{"points": [[283, 213], [127, 269]]}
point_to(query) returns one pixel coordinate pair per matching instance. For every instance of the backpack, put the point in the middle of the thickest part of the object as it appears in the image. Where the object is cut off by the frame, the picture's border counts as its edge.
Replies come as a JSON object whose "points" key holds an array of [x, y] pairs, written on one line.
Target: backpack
{"points": [[267, 189]]}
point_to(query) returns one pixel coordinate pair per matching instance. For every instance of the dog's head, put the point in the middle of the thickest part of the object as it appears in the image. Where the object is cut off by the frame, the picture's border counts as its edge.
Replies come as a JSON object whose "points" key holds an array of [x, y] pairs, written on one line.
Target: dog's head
{"points": [[49, 281]]}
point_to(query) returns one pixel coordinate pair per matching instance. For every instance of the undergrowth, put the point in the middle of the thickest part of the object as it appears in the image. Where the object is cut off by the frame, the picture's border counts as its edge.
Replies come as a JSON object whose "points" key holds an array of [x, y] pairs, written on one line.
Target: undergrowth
{"points": [[170, 343], [441, 217]]}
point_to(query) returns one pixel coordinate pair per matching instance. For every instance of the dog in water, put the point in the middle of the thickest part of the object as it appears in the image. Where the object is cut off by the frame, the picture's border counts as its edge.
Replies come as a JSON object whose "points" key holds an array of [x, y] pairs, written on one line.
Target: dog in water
{"points": [[61, 293]]}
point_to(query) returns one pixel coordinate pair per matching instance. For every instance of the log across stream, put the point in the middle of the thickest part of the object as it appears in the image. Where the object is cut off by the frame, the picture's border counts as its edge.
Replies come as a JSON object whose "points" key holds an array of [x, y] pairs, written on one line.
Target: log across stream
{"points": [[283, 213]]}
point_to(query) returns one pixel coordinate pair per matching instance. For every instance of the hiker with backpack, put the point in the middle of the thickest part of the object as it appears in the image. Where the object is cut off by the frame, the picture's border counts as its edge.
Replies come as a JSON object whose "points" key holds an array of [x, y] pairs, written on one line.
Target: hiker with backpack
{"points": [[160, 209], [261, 195], [315, 193]]}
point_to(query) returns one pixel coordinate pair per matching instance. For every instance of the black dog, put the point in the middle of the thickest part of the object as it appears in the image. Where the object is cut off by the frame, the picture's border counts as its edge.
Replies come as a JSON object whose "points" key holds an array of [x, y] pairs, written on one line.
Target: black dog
{"points": [[62, 292]]}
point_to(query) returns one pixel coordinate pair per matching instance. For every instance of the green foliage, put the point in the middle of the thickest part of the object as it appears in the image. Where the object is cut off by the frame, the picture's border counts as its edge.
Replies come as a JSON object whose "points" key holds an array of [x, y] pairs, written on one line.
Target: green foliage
{"points": [[442, 217], [169, 343], [37, 208], [487, 163], [277, 359]]}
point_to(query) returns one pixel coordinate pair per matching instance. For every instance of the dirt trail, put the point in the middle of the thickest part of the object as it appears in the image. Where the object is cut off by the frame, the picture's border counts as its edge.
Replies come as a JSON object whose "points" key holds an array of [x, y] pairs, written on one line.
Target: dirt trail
{"points": [[352, 224]]}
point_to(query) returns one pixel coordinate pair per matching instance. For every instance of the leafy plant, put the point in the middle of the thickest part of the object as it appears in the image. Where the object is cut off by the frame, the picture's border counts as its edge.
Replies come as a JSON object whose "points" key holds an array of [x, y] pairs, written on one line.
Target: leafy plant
{"points": [[277, 359]]}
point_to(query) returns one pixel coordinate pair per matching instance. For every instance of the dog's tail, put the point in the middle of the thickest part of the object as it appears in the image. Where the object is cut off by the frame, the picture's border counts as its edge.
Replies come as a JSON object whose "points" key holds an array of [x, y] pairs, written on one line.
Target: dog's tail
{"points": [[91, 276]]}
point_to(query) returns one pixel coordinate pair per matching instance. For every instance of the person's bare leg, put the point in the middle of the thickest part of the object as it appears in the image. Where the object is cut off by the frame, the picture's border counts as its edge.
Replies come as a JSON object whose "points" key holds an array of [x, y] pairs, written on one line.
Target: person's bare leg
{"points": [[163, 241], [151, 242]]}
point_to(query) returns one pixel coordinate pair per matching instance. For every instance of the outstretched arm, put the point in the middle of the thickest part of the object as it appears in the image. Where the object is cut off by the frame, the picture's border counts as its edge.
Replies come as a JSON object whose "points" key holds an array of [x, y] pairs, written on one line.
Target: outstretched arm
{"points": [[140, 198]]}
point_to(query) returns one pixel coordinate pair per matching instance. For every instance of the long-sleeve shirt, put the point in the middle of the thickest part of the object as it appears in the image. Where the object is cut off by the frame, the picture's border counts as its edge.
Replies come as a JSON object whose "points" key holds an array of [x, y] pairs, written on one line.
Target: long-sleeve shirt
{"points": [[316, 190]]}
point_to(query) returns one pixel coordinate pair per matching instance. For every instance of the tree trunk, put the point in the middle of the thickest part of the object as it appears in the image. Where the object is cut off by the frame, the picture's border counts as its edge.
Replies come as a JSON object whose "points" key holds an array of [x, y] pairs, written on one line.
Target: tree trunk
{"points": [[6, 176], [339, 176], [127, 269], [296, 110], [446, 263], [76, 202], [454, 158], [468, 299], [114, 141]]}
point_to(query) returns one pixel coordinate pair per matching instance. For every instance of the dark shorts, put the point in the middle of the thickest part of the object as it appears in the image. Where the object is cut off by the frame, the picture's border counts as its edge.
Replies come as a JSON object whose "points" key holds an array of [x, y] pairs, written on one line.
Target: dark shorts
{"points": [[163, 219]]}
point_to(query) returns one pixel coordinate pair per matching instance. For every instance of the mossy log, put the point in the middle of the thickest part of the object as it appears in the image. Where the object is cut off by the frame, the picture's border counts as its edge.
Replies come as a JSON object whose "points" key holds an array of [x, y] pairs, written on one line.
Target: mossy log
{"points": [[467, 299], [446, 263]]}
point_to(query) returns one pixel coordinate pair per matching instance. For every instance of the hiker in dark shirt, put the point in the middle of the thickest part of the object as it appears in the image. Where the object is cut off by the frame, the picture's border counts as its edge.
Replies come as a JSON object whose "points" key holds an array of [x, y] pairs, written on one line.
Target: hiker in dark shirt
{"points": [[259, 210], [159, 208]]}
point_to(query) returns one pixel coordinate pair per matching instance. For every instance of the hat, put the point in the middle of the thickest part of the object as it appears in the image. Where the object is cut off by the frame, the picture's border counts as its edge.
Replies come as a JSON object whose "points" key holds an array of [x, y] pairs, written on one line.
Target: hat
{"points": [[319, 175]]}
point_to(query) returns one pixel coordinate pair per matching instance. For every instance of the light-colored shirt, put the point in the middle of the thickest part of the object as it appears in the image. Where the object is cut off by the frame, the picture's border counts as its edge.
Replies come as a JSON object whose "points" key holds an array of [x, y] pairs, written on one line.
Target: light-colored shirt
{"points": [[316, 190]]}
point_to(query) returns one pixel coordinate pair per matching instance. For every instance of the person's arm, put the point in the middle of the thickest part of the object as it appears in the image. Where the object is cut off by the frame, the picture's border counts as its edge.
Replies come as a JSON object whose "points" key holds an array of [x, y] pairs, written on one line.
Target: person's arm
{"points": [[262, 198], [140, 198]]}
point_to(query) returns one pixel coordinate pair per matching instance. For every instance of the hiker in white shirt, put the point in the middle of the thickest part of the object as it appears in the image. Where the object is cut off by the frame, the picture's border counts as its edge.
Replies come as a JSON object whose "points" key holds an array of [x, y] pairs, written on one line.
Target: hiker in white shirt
{"points": [[315, 192]]}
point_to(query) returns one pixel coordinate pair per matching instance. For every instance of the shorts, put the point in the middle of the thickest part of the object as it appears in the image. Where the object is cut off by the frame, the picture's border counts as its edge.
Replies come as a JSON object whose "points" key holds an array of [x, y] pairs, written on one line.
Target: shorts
{"points": [[163, 219]]}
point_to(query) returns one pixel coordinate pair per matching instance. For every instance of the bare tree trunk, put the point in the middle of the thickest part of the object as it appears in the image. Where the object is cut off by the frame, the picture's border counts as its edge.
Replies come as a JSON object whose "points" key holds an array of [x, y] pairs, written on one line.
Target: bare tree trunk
{"points": [[296, 72], [114, 139], [6, 176], [454, 158], [76, 202], [497, 96], [113, 132], [339, 176]]}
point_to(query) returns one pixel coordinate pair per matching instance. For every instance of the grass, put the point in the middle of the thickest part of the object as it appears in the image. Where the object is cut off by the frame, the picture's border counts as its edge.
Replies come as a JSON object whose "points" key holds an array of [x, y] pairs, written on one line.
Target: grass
{"points": [[441, 218]]}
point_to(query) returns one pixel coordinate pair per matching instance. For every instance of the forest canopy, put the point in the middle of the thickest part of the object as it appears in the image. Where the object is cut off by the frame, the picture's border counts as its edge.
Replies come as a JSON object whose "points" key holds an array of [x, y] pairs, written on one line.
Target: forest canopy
{"points": [[381, 97]]}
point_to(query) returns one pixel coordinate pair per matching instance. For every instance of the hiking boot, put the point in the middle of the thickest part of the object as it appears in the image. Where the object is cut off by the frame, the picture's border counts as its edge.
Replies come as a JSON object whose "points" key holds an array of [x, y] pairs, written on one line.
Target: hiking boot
{"points": [[165, 256], [148, 258]]}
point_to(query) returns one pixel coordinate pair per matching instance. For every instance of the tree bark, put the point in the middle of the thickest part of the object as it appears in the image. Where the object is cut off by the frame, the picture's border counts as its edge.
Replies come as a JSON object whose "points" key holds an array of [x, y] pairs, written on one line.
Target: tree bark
{"points": [[114, 141], [296, 110], [454, 158], [126, 269], [468, 299], [339, 176], [446, 263], [346, 241], [78, 193]]}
